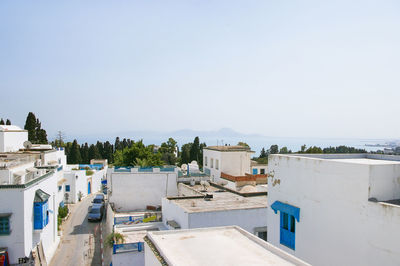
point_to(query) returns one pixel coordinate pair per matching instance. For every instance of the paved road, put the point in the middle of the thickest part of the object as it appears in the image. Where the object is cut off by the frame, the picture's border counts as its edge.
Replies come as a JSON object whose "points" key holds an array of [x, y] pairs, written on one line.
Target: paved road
{"points": [[80, 243]]}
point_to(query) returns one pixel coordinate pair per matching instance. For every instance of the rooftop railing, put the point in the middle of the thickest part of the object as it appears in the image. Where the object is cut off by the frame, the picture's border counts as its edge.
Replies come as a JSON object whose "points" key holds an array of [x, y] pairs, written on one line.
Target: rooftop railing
{"points": [[128, 247]]}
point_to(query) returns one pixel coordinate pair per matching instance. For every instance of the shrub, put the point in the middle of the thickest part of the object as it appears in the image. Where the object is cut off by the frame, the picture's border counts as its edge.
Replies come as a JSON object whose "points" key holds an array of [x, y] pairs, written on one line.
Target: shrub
{"points": [[119, 239], [63, 211], [89, 172]]}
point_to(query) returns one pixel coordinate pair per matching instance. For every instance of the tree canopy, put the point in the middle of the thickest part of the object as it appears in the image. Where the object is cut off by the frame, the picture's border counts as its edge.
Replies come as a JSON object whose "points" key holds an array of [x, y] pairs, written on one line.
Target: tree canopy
{"points": [[36, 134]]}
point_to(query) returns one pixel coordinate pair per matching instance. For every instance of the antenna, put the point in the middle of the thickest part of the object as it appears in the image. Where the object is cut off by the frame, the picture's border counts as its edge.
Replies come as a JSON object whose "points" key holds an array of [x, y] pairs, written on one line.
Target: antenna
{"points": [[27, 144]]}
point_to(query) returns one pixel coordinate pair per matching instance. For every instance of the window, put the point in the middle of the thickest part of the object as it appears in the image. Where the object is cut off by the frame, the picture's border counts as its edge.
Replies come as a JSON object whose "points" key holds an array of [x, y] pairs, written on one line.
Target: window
{"points": [[205, 161], [5, 224], [67, 188], [217, 164], [288, 216], [212, 162], [59, 188], [255, 171], [262, 171]]}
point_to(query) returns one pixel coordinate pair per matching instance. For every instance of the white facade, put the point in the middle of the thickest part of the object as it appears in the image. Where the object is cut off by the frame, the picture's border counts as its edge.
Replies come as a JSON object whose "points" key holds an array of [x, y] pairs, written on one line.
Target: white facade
{"points": [[12, 138], [18, 200], [342, 217], [80, 184], [134, 190], [228, 245], [232, 160]]}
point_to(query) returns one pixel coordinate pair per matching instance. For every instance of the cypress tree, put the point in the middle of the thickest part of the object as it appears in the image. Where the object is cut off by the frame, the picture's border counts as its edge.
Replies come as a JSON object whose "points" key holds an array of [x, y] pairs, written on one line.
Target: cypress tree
{"points": [[94, 152], [74, 154], [30, 125], [8, 122], [195, 150], [85, 153], [2, 122]]}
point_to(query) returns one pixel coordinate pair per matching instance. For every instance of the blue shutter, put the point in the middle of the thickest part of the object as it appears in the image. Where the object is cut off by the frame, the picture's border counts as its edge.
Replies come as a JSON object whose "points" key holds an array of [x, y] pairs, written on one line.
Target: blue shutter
{"points": [[255, 171], [38, 215]]}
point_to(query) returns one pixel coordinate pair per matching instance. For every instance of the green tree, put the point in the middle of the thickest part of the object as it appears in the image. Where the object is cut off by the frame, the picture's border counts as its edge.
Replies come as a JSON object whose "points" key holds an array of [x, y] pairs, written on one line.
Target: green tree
{"points": [[185, 153], [85, 153], [94, 152], [8, 122], [2, 122], [195, 150], [263, 154], [30, 126], [36, 134], [74, 156], [274, 149], [284, 150], [244, 144], [167, 151], [137, 154]]}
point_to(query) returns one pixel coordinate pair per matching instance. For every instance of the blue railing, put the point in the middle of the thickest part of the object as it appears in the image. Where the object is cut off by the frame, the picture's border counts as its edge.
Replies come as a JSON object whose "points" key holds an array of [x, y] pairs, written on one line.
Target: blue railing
{"points": [[207, 171], [167, 169], [145, 169], [138, 246], [59, 168], [91, 166]]}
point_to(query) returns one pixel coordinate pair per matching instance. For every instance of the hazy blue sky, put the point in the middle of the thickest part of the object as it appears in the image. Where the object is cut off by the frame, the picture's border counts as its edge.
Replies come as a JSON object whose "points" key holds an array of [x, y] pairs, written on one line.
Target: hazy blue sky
{"points": [[277, 68]]}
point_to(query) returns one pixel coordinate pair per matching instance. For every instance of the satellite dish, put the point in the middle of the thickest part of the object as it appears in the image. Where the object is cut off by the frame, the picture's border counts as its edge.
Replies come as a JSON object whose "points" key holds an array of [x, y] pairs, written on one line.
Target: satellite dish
{"points": [[27, 144], [184, 167]]}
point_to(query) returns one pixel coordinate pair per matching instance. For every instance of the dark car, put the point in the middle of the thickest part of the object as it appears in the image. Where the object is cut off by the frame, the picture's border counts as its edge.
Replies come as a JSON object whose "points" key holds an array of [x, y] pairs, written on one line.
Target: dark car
{"points": [[98, 200], [96, 213]]}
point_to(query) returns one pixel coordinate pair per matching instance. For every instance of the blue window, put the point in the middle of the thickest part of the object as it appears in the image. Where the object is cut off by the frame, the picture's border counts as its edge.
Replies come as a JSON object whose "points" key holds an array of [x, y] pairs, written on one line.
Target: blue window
{"points": [[40, 210], [288, 216], [255, 171], [5, 224], [67, 188], [59, 188]]}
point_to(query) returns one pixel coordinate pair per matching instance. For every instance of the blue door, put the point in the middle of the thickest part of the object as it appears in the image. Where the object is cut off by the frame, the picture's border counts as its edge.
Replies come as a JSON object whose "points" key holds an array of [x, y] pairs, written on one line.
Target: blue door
{"points": [[88, 188]]}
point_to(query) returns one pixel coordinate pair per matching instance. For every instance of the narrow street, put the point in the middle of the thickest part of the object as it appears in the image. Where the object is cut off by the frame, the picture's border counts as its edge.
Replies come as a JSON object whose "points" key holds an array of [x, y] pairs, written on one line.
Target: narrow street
{"points": [[80, 243]]}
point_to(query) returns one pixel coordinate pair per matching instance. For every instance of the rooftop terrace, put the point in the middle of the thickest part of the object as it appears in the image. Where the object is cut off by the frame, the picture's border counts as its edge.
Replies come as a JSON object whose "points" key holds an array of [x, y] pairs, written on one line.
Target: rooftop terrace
{"points": [[221, 200], [228, 245], [358, 158], [228, 148]]}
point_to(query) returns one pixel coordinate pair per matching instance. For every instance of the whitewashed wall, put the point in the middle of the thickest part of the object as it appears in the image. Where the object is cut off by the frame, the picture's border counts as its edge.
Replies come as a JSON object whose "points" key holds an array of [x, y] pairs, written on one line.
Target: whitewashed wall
{"points": [[171, 211], [338, 225], [12, 141], [134, 191]]}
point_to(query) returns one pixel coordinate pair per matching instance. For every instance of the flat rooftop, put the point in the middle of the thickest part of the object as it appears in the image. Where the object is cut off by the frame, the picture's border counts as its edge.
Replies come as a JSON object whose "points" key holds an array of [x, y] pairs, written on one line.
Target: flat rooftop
{"points": [[221, 201], [229, 245], [229, 148], [356, 158]]}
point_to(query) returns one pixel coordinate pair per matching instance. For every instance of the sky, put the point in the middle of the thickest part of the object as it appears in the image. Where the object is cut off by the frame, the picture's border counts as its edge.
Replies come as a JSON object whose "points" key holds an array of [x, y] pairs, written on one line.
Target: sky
{"points": [[275, 68]]}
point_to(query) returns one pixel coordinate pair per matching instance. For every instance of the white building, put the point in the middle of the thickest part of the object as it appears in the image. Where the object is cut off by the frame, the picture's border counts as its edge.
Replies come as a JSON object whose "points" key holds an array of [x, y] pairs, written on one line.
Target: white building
{"points": [[335, 209], [132, 189], [28, 216], [81, 181], [216, 207], [12, 138], [232, 160], [229, 245], [29, 196]]}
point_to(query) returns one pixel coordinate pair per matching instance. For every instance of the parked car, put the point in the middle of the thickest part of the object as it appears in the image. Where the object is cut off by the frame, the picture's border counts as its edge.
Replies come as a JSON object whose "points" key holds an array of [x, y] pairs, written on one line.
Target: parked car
{"points": [[98, 200], [96, 213]]}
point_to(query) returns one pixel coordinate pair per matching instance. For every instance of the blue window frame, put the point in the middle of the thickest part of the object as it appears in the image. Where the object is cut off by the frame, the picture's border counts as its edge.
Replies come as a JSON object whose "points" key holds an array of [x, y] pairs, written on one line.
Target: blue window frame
{"points": [[40, 210], [41, 215], [5, 225], [255, 171], [288, 216], [67, 188], [59, 188]]}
